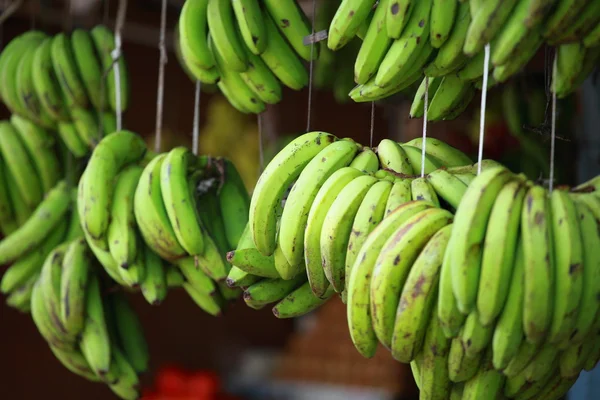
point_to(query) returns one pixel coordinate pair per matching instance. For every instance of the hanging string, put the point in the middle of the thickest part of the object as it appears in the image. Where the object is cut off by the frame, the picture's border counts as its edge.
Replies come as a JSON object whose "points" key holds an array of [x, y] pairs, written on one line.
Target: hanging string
{"points": [[553, 124], [424, 144], [310, 71], [161, 77], [261, 155], [486, 66], [196, 127], [116, 54]]}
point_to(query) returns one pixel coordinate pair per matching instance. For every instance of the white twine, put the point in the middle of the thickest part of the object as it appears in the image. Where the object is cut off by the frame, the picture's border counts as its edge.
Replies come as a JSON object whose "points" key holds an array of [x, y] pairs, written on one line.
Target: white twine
{"points": [[196, 127], [424, 144], [486, 65]]}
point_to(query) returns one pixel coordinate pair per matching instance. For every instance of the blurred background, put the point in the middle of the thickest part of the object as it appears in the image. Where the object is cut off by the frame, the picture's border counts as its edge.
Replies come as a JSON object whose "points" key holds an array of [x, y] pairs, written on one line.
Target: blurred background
{"points": [[249, 354]]}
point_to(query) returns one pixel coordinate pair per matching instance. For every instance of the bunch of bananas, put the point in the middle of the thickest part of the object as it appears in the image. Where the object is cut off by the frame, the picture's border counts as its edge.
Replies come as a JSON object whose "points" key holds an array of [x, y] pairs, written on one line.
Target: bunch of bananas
{"points": [[444, 40], [30, 167], [143, 213], [53, 276], [339, 192], [59, 83], [249, 48]]}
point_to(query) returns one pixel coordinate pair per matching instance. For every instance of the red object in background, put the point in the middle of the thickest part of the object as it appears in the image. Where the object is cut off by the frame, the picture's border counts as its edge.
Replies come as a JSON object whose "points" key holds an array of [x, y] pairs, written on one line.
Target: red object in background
{"points": [[174, 383]]}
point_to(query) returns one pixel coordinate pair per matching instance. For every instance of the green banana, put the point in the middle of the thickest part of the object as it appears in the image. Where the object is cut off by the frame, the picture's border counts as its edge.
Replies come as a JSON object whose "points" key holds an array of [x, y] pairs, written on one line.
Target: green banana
{"points": [[300, 302], [347, 21], [89, 67], [76, 269], [393, 264]]}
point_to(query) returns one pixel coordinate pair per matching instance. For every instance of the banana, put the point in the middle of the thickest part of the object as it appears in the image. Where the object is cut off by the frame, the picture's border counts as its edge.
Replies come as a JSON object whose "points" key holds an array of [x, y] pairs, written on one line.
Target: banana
{"points": [[130, 333], [374, 46], [105, 44], [359, 281], [400, 194], [588, 307], [13, 47], [240, 278], [450, 56], [89, 67], [300, 302], [417, 308], [233, 85], [557, 387], [415, 367], [525, 353], [122, 233], [8, 222], [434, 380], [590, 62], [41, 223], [19, 165], [403, 52], [225, 35], [414, 157], [95, 340], [447, 186], [393, 156], [397, 17], [486, 383], [592, 39], [114, 152], [39, 144], [67, 72], [527, 50], [189, 58], [486, 23], [568, 266], [347, 21], [371, 92], [87, 126], [45, 82], [461, 366], [150, 213], [179, 201], [193, 30], [212, 305], [474, 68], [234, 203], [393, 264], [250, 22], [474, 335], [25, 90], [294, 25], [448, 95], [443, 14], [283, 169], [76, 269], [154, 285], [422, 190], [47, 324], [75, 362], [469, 233], [10, 72], [281, 59], [30, 264], [563, 15], [366, 161], [527, 15], [21, 210], [253, 262], [569, 64], [321, 204], [68, 134], [300, 199], [536, 235], [261, 80], [417, 108], [498, 259], [337, 228], [127, 384], [195, 277], [270, 291], [370, 213], [519, 387]]}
